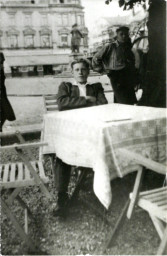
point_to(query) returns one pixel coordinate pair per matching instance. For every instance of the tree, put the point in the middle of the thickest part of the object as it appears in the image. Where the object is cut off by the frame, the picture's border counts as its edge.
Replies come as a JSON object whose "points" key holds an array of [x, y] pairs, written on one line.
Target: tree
{"points": [[154, 93]]}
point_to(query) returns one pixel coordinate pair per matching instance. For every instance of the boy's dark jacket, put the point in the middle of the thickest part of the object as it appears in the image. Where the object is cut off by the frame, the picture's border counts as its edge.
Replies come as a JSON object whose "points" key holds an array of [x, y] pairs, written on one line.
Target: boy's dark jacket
{"points": [[68, 96]]}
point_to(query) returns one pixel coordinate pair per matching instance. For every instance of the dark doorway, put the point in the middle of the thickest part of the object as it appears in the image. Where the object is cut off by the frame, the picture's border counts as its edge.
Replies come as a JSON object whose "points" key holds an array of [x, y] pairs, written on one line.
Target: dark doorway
{"points": [[16, 72], [48, 70], [33, 71]]}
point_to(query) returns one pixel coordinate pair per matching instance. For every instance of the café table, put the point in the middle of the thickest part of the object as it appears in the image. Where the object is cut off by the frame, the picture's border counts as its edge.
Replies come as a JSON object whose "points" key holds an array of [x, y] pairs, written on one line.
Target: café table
{"points": [[91, 137]]}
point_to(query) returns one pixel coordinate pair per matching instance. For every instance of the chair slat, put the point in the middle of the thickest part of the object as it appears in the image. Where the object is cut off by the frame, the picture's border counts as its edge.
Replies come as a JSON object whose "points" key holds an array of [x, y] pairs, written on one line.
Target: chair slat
{"points": [[153, 191], [20, 171], [159, 198], [155, 196], [6, 172], [51, 102], [50, 97], [12, 172], [161, 202], [51, 107], [164, 207], [27, 173]]}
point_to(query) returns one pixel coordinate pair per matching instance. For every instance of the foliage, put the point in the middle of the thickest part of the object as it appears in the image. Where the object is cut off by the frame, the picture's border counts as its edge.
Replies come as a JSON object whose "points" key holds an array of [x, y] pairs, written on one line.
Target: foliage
{"points": [[127, 4]]}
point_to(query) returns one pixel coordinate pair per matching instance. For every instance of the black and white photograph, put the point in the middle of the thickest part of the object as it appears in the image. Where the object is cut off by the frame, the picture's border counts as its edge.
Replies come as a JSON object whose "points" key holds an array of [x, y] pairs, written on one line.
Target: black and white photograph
{"points": [[83, 127]]}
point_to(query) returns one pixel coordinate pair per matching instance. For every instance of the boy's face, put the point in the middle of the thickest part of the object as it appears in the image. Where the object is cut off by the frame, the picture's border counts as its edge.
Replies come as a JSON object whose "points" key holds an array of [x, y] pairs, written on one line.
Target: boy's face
{"points": [[122, 36], [80, 72]]}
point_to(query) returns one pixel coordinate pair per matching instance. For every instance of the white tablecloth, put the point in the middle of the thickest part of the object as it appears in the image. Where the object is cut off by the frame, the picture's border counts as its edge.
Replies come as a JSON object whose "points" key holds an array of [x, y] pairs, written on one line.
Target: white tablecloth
{"points": [[91, 137]]}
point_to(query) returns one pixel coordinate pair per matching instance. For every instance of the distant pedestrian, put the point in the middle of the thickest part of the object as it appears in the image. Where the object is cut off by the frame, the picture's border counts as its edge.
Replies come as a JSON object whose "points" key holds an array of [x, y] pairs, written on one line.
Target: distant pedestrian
{"points": [[76, 38], [117, 60], [7, 112]]}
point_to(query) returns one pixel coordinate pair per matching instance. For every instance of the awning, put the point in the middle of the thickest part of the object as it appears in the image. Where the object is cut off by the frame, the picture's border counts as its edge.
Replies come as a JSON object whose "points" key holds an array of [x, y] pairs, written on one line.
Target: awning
{"points": [[37, 60]]}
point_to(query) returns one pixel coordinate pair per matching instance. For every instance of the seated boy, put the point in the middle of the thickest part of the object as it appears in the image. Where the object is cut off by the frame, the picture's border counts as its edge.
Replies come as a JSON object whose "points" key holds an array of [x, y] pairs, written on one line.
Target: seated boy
{"points": [[70, 96]]}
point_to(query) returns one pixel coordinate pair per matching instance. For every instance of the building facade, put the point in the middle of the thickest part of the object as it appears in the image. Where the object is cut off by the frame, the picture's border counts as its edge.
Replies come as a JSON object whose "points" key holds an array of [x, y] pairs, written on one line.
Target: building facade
{"points": [[35, 34]]}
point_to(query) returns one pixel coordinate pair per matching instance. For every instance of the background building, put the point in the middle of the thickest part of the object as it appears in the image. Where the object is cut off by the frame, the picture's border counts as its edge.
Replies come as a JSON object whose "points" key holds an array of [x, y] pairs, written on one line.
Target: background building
{"points": [[35, 34]]}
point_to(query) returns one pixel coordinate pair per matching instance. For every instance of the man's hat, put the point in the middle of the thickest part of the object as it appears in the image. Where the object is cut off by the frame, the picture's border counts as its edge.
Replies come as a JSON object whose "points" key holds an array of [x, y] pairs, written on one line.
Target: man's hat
{"points": [[75, 25], [123, 28]]}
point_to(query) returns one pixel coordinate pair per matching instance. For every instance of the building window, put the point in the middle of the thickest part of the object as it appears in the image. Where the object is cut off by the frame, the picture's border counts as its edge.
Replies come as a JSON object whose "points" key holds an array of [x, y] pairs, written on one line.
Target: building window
{"points": [[65, 19], [59, 19], [28, 20], [64, 40], [75, 1], [45, 41], [79, 20], [13, 41], [73, 18], [61, 1], [85, 41], [44, 20], [11, 19], [29, 41]]}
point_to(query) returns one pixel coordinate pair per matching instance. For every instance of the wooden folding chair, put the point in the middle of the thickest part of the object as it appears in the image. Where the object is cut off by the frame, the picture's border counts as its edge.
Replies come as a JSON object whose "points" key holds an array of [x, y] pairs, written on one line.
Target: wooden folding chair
{"points": [[17, 176], [153, 201], [50, 104]]}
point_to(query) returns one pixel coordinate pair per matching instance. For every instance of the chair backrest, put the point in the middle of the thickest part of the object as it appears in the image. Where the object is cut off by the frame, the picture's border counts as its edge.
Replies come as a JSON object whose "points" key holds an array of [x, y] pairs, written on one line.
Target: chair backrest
{"points": [[50, 102], [142, 161]]}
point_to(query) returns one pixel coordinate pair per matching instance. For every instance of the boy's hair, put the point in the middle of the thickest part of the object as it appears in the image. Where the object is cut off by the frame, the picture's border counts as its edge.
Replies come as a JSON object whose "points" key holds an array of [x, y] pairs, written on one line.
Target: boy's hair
{"points": [[84, 61]]}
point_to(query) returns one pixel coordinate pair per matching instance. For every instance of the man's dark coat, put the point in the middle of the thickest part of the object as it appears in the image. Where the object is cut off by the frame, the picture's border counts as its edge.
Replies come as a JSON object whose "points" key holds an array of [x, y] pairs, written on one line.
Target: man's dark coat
{"points": [[7, 112]]}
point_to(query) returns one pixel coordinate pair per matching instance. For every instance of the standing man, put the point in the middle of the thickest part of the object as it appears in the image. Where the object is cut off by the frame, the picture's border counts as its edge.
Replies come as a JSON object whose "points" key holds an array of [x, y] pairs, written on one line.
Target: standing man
{"points": [[7, 112], [76, 38], [118, 61], [80, 94]]}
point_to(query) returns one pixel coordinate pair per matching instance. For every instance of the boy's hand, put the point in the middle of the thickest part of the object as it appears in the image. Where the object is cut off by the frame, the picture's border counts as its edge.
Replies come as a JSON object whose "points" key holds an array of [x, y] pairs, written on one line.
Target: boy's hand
{"points": [[90, 99]]}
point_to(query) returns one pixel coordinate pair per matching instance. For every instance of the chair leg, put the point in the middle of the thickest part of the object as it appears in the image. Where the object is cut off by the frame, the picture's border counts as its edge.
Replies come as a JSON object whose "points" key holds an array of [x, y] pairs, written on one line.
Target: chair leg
{"points": [[26, 220], [52, 158], [158, 225], [13, 194], [135, 192], [17, 225], [162, 249], [24, 205], [116, 227]]}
